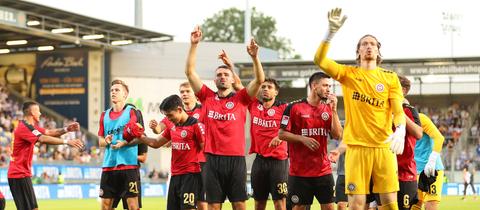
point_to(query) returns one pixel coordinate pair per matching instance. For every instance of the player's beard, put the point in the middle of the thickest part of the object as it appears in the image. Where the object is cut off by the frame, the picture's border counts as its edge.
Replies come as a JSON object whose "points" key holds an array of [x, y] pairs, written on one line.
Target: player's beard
{"points": [[221, 86]]}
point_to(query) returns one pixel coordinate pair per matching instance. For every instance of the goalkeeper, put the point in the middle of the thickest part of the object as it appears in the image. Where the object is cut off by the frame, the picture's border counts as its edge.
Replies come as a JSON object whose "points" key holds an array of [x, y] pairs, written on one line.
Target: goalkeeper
{"points": [[373, 101]]}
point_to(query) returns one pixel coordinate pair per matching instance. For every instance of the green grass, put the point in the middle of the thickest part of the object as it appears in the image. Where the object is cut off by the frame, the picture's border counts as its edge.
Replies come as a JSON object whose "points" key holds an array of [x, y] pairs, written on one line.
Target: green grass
{"points": [[448, 203]]}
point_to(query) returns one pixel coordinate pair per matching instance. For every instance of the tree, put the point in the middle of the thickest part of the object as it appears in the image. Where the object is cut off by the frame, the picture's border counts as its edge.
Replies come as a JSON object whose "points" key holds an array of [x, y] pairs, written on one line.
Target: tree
{"points": [[228, 26]]}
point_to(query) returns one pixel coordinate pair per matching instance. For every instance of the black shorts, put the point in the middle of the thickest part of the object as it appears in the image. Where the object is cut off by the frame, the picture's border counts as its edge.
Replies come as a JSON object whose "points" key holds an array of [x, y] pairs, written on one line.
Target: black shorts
{"points": [[116, 200], [407, 196], [2, 203], [184, 191], [120, 183], [301, 190], [226, 176], [203, 192], [269, 175], [340, 195], [23, 193]]}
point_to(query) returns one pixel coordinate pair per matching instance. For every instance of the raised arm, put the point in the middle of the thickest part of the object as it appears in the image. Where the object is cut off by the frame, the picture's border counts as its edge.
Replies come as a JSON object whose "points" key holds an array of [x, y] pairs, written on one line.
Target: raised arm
{"points": [[254, 85], [237, 85], [335, 22], [190, 72]]}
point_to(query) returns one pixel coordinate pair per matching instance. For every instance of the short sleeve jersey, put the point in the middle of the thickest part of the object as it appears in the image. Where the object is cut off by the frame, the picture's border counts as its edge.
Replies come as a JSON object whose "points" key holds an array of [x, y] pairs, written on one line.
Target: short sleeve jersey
{"points": [[264, 125], [225, 121], [315, 122], [197, 113], [186, 145], [23, 144]]}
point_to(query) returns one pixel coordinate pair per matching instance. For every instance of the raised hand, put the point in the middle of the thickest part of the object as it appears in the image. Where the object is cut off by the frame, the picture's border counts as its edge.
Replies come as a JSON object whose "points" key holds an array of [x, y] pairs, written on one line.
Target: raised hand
{"points": [[335, 19], [252, 48], [225, 59], [196, 35]]}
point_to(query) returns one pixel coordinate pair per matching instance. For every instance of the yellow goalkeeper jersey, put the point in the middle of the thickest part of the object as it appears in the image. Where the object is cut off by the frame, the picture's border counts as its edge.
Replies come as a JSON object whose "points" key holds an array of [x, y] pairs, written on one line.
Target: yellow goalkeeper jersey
{"points": [[367, 98]]}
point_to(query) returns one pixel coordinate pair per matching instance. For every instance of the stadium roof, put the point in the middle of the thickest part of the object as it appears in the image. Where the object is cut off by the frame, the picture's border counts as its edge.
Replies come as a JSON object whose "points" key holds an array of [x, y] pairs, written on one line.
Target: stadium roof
{"points": [[46, 26]]}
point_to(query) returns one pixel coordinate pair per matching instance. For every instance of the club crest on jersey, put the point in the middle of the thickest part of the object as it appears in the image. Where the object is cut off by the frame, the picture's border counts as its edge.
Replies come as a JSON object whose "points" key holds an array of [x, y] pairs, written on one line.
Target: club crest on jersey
{"points": [[325, 116], [260, 107], [271, 112], [229, 105], [183, 134], [196, 116], [295, 199], [351, 187], [380, 87]]}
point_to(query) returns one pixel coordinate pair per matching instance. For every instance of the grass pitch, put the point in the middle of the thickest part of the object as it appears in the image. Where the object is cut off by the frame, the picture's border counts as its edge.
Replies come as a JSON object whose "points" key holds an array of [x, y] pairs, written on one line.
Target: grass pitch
{"points": [[157, 203]]}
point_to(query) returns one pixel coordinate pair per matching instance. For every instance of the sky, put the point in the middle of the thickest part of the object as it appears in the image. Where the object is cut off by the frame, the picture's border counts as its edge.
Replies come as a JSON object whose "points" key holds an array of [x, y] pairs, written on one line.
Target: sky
{"points": [[406, 29]]}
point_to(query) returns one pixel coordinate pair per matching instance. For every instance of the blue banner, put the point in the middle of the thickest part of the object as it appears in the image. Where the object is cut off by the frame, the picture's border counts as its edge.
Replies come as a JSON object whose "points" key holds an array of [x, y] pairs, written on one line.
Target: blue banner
{"points": [[61, 80]]}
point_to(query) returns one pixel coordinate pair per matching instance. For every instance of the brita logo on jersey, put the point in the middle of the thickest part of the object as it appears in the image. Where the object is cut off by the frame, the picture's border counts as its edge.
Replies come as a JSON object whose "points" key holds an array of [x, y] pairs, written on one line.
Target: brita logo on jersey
{"points": [[219, 116], [180, 146], [367, 99], [315, 132], [264, 123]]}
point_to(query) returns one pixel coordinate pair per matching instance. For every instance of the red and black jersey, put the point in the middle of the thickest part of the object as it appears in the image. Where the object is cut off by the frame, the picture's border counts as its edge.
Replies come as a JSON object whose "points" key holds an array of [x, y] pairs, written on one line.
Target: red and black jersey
{"points": [[407, 167], [25, 137], [225, 120], [264, 125], [186, 146], [315, 122], [197, 113]]}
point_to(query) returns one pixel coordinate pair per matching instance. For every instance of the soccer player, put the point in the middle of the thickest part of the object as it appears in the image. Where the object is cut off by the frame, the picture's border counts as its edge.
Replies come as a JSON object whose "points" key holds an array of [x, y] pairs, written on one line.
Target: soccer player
{"points": [[373, 99], [26, 135], [427, 157], [306, 125], [142, 157], [194, 109], [187, 137], [270, 168], [119, 125], [407, 169], [225, 116]]}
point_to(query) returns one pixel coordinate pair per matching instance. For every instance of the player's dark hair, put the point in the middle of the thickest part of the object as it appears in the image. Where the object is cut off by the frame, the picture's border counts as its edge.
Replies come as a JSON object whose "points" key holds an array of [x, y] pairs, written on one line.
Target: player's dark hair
{"points": [[274, 82], [405, 82], [317, 76], [379, 57], [171, 103], [26, 107]]}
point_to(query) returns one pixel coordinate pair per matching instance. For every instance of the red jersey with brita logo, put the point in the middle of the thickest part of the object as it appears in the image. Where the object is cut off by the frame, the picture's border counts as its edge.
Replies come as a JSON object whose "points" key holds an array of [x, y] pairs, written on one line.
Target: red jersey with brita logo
{"points": [[315, 122], [264, 125], [186, 146], [225, 121]]}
